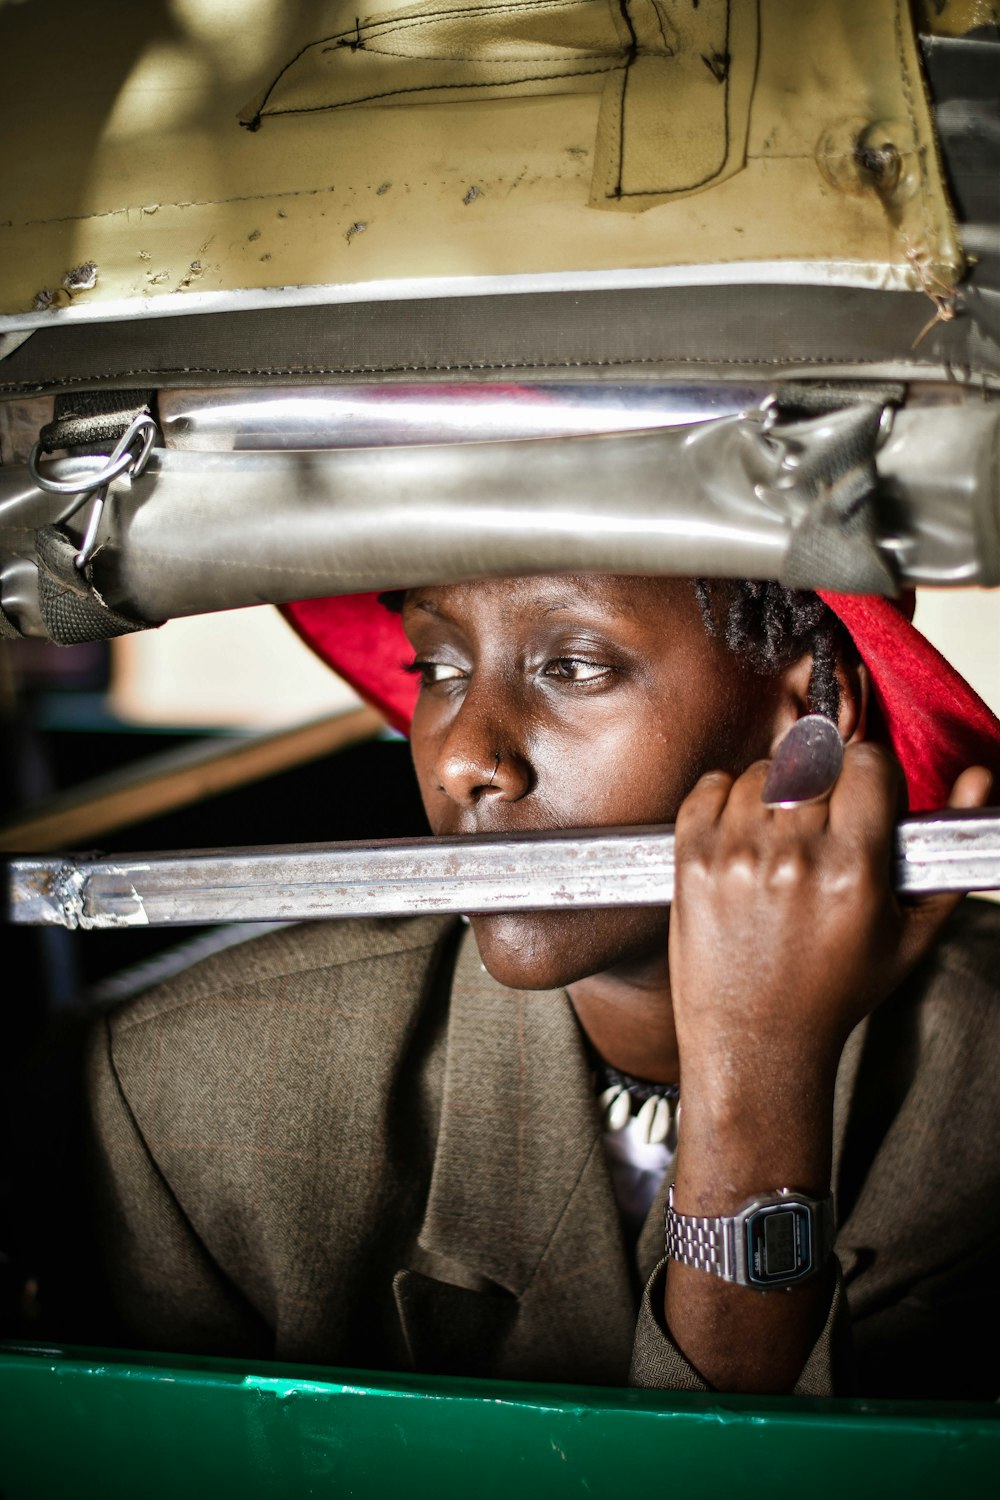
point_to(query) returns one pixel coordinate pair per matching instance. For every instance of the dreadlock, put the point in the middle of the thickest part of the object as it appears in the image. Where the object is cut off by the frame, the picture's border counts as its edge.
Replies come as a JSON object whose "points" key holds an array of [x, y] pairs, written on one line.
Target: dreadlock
{"points": [[770, 626]]}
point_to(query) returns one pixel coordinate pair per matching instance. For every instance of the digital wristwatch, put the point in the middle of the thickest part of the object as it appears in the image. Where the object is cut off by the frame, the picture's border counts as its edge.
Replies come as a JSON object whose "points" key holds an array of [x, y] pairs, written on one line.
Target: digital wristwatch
{"points": [[774, 1240]]}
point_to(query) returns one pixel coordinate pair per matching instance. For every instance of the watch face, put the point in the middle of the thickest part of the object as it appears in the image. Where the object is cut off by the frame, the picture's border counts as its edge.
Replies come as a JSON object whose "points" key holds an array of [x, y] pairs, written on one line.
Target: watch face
{"points": [[779, 1244]]}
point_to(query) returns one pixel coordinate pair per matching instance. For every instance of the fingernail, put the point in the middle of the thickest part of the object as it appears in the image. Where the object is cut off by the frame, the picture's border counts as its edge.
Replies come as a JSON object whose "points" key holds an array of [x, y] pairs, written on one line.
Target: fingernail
{"points": [[806, 764]]}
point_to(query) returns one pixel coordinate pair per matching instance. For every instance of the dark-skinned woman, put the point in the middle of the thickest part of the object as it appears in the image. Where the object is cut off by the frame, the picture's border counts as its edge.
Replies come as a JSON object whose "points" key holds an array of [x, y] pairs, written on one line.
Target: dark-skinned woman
{"points": [[415, 1144]]}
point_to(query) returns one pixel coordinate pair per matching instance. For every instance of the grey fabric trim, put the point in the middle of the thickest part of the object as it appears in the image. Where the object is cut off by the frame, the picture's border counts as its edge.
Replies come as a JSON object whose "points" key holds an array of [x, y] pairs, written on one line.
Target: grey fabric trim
{"points": [[735, 330], [71, 610]]}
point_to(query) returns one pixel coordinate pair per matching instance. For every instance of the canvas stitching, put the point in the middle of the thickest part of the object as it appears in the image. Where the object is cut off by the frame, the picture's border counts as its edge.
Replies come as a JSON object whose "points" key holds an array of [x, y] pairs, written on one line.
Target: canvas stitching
{"points": [[436, 88], [390, 25], [618, 191], [468, 367], [456, 57]]}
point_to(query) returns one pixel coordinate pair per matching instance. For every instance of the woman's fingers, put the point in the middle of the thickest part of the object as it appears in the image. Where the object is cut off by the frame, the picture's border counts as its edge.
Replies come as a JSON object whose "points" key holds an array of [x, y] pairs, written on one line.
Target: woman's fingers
{"points": [[868, 799], [704, 804], [972, 789], [785, 918]]}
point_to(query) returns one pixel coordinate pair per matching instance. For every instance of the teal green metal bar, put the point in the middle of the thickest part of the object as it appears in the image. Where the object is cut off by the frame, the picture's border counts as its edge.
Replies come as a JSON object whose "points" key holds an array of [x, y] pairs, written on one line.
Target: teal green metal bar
{"points": [[80, 1423]]}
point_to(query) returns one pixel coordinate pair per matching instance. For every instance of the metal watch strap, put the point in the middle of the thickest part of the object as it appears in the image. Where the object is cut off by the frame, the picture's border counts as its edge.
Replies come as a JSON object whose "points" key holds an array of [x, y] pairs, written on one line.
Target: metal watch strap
{"points": [[705, 1244]]}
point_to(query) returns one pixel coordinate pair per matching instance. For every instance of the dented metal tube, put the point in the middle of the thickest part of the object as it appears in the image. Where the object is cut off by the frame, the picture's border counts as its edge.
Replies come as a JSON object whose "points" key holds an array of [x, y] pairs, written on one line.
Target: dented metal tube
{"points": [[388, 414], [212, 531], [725, 497], [955, 851]]}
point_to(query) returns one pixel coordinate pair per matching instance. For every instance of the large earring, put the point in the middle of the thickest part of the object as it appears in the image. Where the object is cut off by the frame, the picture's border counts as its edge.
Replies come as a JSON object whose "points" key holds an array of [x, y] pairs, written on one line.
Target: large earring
{"points": [[806, 764]]}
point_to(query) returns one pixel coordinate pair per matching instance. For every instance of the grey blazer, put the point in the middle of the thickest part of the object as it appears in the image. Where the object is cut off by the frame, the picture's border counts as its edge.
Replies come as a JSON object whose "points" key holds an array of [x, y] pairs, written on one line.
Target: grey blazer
{"points": [[346, 1144]]}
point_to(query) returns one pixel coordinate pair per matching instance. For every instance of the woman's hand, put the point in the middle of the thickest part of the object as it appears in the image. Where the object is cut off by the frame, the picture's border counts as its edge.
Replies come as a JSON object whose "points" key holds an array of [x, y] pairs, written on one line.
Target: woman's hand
{"points": [[784, 933]]}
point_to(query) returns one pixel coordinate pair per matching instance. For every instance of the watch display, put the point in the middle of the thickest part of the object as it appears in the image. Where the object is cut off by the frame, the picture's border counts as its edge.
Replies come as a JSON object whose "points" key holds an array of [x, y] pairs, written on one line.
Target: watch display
{"points": [[779, 1244]]}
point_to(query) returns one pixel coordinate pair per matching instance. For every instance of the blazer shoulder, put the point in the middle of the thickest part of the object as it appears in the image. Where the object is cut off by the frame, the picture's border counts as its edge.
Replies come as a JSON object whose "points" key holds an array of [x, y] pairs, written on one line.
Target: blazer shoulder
{"points": [[330, 952]]}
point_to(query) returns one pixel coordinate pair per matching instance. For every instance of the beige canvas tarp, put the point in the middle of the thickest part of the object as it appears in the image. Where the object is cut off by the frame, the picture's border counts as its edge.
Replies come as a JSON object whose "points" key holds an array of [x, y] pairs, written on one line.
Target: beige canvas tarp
{"points": [[192, 154]]}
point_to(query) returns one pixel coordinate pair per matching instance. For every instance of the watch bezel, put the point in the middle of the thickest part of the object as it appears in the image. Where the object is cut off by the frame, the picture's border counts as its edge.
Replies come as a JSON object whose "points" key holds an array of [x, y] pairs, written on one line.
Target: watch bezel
{"points": [[751, 1240]]}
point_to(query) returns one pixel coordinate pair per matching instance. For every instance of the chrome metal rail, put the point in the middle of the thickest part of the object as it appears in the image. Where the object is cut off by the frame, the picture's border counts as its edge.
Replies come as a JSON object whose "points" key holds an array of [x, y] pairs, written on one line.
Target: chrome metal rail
{"points": [[408, 877]]}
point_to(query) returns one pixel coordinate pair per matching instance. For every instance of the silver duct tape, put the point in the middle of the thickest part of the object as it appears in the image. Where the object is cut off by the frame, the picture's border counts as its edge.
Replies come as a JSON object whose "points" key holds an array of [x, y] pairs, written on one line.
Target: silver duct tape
{"points": [[699, 499], [721, 497], [412, 877]]}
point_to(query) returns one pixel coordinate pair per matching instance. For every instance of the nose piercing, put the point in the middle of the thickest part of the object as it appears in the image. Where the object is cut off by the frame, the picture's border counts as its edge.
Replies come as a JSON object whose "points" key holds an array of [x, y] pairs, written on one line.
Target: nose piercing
{"points": [[496, 756]]}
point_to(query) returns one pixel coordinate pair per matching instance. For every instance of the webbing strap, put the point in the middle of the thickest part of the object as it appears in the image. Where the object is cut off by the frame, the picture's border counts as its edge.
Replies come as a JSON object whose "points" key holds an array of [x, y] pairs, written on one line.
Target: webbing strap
{"points": [[71, 609], [836, 536], [92, 419]]}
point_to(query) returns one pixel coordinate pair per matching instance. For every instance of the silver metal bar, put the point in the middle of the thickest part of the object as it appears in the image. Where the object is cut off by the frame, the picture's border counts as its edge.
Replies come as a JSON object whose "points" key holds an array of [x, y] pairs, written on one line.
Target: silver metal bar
{"points": [[408, 877], [390, 413]]}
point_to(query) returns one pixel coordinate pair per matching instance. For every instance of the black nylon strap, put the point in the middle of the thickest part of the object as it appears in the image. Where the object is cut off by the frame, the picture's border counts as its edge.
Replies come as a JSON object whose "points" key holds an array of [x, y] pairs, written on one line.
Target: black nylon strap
{"points": [[92, 420], [810, 398], [8, 630], [71, 610]]}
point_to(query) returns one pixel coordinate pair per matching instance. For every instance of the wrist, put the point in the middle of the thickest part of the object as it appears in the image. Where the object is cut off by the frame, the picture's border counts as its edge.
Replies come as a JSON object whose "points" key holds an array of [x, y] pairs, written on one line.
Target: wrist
{"points": [[734, 1144]]}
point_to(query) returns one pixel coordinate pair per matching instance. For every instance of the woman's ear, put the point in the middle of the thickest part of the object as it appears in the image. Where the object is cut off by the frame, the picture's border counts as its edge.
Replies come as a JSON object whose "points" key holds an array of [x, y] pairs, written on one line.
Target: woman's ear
{"points": [[855, 692], [793, 698]]}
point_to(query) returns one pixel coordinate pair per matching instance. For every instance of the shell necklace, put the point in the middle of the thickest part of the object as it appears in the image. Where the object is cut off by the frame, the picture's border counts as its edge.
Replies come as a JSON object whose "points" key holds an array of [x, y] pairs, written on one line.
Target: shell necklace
{"points": [[655, 1107]]}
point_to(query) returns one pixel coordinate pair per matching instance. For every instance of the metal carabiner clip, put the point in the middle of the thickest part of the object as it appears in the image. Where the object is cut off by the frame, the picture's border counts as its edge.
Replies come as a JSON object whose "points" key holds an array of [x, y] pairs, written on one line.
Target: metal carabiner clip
{"points": [[120, 460]]}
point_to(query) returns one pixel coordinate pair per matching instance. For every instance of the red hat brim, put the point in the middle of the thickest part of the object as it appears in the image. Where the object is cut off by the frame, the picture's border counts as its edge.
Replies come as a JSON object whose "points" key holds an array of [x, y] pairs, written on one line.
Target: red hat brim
{"points": [[935, 722]]}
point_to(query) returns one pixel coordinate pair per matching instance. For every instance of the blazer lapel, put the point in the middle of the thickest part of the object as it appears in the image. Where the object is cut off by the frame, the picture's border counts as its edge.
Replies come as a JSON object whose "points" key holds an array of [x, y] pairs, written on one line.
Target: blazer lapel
{"points": [[520, 1260], [520, 1257]]}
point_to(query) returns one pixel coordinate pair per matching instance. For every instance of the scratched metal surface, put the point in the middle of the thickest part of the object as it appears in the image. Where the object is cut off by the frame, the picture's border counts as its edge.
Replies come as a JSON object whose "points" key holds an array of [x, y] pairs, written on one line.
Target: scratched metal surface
{"points": [[404, 877]]}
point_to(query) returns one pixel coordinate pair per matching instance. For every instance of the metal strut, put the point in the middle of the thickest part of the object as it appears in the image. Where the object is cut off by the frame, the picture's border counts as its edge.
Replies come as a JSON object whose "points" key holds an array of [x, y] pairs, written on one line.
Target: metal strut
{"points": [[954, 851]]}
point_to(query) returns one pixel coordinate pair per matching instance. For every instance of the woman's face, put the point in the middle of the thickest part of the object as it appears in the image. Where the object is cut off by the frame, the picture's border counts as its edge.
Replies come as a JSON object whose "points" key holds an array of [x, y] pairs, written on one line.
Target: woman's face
{"points": [[573, 702]]}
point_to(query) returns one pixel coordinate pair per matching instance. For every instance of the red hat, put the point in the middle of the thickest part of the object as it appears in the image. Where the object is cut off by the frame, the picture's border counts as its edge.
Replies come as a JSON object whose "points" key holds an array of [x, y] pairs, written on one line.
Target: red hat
{"points": [[936, 724]]}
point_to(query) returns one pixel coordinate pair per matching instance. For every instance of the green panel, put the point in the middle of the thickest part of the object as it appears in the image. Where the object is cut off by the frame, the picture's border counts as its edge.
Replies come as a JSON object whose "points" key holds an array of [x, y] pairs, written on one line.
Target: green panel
{"points": [[78, 1423]]}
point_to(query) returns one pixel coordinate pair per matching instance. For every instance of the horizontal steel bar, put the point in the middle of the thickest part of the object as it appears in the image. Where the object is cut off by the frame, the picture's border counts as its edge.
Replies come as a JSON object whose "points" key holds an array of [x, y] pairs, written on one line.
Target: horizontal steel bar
{"points": [[388, 413], [407, 877]]}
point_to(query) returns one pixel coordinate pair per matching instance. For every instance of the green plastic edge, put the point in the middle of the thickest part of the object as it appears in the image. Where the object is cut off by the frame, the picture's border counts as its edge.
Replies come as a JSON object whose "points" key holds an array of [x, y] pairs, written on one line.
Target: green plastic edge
{"points": [[78, 1422]]}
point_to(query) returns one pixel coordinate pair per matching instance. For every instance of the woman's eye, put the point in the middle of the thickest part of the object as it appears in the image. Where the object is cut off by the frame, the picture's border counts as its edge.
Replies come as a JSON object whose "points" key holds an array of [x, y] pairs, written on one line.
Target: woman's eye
{"points": [[431, 672], [576, 669]]}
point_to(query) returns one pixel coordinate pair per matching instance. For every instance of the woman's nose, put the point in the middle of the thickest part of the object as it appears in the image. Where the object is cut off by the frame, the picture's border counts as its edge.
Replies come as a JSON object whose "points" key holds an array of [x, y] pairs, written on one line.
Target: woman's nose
{"points": [[478, 760]]}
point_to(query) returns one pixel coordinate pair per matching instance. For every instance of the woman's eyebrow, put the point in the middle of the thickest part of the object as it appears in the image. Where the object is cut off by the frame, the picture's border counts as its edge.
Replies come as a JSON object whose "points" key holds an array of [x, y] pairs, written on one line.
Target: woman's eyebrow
{"points": [[584, 607]]}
